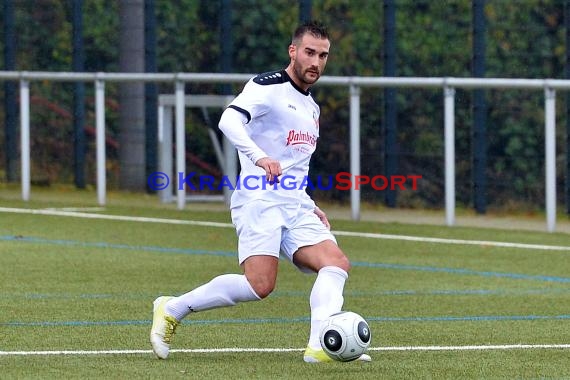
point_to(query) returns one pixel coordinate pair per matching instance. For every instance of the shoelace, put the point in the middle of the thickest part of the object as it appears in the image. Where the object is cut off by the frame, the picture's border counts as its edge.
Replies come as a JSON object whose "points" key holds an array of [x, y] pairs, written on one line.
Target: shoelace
{"points": [[171, 325]]}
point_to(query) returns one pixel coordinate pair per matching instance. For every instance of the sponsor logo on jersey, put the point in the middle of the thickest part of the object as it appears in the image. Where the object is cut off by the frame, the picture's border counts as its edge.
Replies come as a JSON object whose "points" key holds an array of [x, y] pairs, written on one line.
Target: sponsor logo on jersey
{"points": [[298, 137]]}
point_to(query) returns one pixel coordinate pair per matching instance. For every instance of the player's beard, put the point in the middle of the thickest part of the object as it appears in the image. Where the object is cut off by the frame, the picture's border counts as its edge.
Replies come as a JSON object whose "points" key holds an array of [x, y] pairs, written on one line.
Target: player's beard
{"points": [[303, 74]]}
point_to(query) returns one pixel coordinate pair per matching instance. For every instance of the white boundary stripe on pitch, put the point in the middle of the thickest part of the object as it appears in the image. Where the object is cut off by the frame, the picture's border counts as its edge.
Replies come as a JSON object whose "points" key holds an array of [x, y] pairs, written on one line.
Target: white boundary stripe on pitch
{"points": [[52, 212], [141, 219], [77, 209], [263, 350], [454, 241]]}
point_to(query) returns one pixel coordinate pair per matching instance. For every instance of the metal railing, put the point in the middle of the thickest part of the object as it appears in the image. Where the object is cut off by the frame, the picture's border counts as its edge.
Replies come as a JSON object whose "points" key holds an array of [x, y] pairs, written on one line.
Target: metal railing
{"points": [[353, 84]]}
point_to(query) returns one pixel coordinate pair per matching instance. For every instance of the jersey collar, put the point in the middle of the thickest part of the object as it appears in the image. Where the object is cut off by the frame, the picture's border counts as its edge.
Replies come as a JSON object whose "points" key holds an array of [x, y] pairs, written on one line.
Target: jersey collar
{"points": [[284, 73]]}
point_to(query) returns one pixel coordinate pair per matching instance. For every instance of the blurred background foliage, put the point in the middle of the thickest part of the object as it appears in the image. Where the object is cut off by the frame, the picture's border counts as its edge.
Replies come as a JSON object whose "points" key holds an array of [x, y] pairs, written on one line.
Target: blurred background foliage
{"points": [[525, 39]]}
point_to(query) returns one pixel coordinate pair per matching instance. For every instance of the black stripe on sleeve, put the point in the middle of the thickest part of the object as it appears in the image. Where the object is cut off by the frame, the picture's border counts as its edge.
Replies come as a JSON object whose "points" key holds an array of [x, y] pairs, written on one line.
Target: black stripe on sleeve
{"points": [[241, 110]]}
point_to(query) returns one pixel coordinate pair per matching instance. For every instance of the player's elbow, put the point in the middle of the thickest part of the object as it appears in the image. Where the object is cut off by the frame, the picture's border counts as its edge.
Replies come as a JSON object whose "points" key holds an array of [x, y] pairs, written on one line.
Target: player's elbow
{"points": [[230, 118], [224, 124]]}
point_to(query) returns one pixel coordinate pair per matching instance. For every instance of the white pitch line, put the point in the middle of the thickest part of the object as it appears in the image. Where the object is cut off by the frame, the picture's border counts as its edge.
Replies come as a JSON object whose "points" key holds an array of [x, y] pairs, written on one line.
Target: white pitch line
{"points": [[471, 348], [454, 241], [265, 350], [77, 209], [338, 233], [141, 219]]}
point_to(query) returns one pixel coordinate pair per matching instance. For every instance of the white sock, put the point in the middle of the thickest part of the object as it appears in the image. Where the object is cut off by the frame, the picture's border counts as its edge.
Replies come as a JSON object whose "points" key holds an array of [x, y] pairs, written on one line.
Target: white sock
{"points": [[221, 291], [326, 299]]}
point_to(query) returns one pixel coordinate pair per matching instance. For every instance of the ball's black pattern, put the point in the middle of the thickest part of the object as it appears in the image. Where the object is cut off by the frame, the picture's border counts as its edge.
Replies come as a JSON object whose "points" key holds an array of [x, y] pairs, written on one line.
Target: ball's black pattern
{"points": [[363, 331], [333, 340]]}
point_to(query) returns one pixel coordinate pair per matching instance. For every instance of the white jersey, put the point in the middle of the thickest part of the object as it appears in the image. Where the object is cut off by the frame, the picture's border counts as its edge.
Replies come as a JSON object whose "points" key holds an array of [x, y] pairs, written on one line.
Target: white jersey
{"points": [[283, 121]]}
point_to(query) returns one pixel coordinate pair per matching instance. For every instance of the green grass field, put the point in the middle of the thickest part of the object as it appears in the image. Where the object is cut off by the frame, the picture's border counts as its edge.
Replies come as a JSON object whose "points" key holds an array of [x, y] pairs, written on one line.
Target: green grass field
{"points": [[436, 309]]}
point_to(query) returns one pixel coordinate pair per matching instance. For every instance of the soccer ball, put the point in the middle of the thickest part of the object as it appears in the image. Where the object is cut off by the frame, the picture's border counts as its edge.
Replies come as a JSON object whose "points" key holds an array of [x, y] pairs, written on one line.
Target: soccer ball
{"points": [[345, 336]]}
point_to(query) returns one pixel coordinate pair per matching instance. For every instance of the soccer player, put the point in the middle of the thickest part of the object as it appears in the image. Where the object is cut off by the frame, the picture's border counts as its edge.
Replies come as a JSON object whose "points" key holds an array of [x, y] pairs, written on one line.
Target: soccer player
{"points": [[274, 124]]}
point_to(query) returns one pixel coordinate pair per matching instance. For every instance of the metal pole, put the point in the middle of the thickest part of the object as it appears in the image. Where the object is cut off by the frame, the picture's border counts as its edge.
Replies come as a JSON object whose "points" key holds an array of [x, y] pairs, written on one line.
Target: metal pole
{"points": [[550, 156], [100, 140], [165, 149], [25, 137], [305, 8], [10, 103], [449, 131], [78, 62], [227, 63], [390, 106], [180, 143], [567, 108], [479, 150], [226, 42], [355, 149], [132, 132], [151, 91]]}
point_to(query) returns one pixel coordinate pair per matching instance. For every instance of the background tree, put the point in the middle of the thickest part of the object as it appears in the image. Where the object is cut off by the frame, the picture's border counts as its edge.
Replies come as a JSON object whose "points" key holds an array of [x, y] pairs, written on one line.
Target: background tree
{"points": [[131, 96]]}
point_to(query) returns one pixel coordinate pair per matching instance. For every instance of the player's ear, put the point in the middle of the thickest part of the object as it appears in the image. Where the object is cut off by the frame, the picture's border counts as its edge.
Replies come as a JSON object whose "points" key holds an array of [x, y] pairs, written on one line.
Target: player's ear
{"points": [[292, 50]]}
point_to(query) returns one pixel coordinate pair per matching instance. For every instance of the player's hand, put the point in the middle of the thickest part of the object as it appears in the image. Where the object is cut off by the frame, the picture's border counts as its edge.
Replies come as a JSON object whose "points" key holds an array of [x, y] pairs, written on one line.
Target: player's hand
{"points": [[323, 217], [272, 169]]}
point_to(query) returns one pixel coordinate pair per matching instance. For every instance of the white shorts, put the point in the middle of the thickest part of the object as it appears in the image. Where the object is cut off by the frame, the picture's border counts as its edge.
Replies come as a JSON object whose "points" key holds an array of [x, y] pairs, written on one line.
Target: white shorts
{"points": [[266, 228]]}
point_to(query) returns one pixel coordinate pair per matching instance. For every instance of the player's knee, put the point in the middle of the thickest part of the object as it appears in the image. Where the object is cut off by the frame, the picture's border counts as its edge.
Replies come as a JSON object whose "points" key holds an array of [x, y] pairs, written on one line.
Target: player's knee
{"points": [[262, 287], [344, 263], [263, 290], [339, 259]]}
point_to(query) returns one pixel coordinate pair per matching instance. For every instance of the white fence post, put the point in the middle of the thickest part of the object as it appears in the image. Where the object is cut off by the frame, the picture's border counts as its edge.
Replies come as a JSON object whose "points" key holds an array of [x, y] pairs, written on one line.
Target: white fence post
{"points": [[449, 141], [165, 150], [100, 141], [180, 144], [25, 137], [354, 149], [550, 157]]}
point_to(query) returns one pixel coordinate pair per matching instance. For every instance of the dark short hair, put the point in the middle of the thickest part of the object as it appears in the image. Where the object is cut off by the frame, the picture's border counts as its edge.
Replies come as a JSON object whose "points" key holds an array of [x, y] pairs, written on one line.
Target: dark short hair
{"points": [[315, 28]]}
